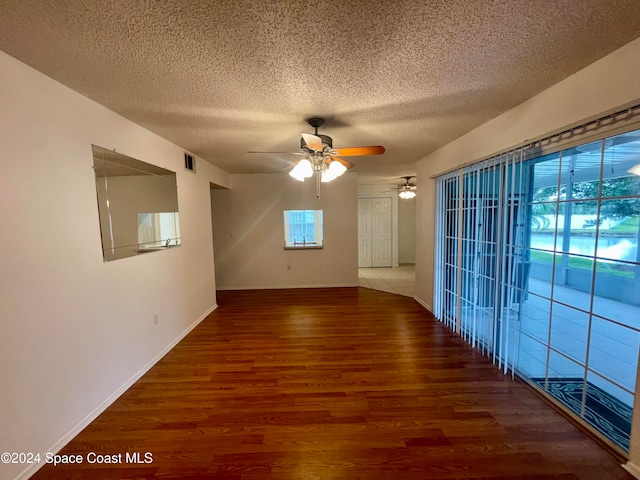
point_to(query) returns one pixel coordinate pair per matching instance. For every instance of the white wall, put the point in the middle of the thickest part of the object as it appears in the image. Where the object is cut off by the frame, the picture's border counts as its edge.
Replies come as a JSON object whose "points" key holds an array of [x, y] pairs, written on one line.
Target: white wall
{"points": [[75, 331], [601, 87], [248, 231], [407, 230]]}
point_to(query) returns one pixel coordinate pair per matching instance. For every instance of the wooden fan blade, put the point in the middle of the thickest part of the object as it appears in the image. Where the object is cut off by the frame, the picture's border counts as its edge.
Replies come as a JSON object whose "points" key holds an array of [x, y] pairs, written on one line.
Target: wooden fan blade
{"points": [[358, 151], [343, 162], [313, 142]]}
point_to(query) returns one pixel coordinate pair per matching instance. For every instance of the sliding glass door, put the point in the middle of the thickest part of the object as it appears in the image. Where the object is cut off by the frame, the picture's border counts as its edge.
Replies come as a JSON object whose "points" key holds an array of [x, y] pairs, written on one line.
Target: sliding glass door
{"points": [[580, 340], [540, 266]]}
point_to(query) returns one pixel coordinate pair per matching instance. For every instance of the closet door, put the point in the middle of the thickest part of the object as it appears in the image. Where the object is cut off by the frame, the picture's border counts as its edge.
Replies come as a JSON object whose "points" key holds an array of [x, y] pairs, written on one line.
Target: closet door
{"points": [[381, 232], [364, 232], [375, 241]]}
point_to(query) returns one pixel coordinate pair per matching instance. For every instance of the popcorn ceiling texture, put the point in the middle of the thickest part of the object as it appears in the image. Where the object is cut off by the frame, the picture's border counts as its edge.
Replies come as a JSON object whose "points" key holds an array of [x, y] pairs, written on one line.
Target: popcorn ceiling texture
{"points": [[223, 77]]}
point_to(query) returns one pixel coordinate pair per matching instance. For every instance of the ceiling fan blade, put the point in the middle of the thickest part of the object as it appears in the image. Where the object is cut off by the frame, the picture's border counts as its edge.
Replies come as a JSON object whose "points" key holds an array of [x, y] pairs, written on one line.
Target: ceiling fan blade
{"points": [[343, 162], [313, 142], [358, 151], [284, 153]]}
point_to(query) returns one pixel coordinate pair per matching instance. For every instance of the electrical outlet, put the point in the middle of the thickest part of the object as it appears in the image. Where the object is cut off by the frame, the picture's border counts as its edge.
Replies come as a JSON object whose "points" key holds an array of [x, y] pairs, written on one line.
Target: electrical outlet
{"points": [[156, 319]]}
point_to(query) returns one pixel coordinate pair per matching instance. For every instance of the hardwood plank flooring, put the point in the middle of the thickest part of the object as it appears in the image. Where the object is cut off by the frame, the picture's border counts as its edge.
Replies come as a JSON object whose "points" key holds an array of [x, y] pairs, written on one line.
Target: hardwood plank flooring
{"points": [[346, 383]]}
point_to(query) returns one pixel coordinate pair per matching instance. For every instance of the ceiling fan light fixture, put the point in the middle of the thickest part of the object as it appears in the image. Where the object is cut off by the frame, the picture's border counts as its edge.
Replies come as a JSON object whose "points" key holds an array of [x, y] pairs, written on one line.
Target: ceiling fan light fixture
{"points": [[406, 194], [303, 169], [334, 171], [408, 190], [321, 158]]}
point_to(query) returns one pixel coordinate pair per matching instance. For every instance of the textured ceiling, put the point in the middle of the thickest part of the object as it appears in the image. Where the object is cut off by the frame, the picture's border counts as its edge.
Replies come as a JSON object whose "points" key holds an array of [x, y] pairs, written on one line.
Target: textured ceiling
{"points": [[223, 77]]}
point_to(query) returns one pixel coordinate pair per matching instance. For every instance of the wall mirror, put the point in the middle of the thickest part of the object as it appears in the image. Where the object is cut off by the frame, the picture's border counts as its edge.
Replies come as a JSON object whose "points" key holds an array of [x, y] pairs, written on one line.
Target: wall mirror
{"points": [[137, 205]]}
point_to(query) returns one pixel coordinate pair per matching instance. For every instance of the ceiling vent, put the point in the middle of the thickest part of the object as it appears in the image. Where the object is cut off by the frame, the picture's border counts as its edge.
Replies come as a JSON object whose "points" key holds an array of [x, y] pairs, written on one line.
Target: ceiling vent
{"points": [[189, 162]]}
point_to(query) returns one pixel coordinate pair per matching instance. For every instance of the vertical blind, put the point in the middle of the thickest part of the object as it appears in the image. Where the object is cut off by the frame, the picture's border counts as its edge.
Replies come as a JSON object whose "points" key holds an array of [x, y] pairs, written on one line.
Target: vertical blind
{"points": [[537, 265], [480, 264]]}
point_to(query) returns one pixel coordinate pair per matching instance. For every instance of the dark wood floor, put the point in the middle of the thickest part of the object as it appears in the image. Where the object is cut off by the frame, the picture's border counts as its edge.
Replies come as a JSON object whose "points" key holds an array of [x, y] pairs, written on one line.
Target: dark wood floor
{"points": [[332, 384]]}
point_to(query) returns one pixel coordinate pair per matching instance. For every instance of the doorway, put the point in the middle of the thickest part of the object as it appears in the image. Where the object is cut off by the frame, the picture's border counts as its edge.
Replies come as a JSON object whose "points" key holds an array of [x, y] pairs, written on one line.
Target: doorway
{"points": [[375, 238]]}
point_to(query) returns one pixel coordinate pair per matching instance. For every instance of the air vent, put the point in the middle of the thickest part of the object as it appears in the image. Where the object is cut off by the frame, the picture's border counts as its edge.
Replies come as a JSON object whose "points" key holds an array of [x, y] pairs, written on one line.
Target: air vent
{"points": [[189, 162]]}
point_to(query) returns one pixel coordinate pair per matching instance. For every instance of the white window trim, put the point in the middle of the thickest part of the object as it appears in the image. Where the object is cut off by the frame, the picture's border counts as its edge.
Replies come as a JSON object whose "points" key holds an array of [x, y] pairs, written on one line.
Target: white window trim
{"points": [[318, 232]]}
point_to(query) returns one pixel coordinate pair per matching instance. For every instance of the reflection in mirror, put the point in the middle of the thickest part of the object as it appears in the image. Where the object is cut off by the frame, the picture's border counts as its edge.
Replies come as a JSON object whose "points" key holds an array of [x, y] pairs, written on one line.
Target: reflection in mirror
{"points": [[137, 204]]}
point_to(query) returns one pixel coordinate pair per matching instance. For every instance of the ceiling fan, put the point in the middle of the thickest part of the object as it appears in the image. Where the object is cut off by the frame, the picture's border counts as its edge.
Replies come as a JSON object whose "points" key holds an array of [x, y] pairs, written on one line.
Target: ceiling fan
{"points": [[322, 159], [407, 190]]}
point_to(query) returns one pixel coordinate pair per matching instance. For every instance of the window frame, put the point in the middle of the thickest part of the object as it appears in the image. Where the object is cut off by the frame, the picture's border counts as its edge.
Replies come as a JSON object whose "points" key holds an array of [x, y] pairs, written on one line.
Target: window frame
{"points": [[318, 228]]}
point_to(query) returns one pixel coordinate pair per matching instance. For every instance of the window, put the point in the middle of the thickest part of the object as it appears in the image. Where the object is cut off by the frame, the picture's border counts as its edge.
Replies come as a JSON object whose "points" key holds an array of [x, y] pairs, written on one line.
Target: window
{"points": [[303, 229]]}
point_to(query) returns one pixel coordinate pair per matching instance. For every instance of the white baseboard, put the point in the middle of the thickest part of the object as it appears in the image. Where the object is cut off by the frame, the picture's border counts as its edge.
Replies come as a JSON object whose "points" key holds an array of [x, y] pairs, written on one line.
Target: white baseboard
{"points": [[424, 304], [283, 287], [632, 468], [33, 468]]}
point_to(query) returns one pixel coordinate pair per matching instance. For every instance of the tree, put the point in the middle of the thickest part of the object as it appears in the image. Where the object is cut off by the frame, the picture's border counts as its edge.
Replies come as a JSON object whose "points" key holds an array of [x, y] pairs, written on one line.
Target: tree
{"points": [[616, 209]]}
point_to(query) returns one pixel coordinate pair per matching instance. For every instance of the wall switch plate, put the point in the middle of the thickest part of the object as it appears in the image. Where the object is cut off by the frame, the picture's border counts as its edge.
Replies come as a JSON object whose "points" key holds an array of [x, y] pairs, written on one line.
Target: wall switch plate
{"points": [[156, 319]]}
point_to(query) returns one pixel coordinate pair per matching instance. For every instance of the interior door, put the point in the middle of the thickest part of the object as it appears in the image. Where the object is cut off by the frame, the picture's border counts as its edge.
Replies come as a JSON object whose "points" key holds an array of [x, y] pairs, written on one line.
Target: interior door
{"points": [[364, 232], [381, 240], [375, 238]]}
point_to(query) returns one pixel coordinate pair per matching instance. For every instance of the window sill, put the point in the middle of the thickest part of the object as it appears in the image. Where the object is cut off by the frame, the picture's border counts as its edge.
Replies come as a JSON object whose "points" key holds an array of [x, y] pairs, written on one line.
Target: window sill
{"points": [[303, 247]]}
